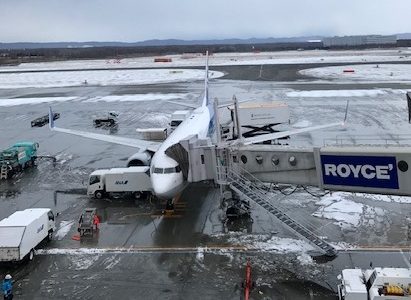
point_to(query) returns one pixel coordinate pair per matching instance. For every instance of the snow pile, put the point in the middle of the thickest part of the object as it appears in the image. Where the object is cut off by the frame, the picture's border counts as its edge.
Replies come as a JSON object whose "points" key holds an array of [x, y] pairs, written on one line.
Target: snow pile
{"points": [[65, 227], [200, 254], [103, 77], [370, 72], [305, 259]]}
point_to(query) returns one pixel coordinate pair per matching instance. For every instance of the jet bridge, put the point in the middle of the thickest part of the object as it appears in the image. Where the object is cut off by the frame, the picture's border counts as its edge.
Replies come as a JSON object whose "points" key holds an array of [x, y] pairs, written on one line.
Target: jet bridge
{"points": [[368, 169]]}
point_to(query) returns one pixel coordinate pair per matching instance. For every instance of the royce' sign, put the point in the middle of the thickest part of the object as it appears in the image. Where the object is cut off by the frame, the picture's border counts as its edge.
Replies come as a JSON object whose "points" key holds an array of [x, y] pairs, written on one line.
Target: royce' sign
{"points": [[365, 171]]}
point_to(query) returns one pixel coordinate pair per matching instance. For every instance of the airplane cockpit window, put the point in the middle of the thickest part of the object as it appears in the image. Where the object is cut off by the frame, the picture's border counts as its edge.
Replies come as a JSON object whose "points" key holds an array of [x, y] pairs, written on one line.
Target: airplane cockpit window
{"points": [[169, 170], [158, 170], [178, 169]]}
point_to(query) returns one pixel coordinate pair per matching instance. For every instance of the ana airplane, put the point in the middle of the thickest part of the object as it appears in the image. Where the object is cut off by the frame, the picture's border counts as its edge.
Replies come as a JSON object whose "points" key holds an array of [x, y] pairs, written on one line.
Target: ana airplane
{"points": [[165, 172]]}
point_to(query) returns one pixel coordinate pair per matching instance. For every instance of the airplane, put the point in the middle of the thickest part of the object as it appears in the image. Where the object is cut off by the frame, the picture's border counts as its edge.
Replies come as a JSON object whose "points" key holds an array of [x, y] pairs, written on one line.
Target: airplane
{"points": [[165, 172]]}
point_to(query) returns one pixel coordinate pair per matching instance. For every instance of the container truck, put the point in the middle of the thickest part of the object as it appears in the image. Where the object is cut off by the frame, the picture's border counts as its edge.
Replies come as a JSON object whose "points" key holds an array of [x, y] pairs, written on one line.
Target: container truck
{"points": [[133, 181], [23, 231]]}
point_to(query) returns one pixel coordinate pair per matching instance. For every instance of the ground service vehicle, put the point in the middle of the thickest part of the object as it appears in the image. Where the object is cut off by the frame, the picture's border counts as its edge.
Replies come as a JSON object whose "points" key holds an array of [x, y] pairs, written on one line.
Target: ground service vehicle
{"points": [[120, 181], [23, 231], [16, 158], [375, 284]]}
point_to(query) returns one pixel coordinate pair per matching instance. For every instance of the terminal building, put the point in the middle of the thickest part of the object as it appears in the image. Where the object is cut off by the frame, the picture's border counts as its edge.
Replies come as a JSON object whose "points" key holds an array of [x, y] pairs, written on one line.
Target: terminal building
{"points": [[360, 40]]}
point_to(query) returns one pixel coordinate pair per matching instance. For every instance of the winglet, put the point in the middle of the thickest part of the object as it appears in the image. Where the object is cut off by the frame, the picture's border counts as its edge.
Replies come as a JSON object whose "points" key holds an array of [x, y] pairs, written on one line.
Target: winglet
{"points": [[51, 118]]}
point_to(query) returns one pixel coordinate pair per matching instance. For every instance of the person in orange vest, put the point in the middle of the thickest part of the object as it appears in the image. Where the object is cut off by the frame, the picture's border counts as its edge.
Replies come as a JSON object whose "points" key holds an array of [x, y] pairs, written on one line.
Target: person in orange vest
{"points": [[96, 222]]}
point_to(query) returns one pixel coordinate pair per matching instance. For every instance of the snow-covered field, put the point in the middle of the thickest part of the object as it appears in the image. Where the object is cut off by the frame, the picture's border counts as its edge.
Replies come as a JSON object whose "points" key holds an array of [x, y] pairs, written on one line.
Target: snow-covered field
{"points": [[367, 72], [105, 77], [122, 98], [224, 59]]}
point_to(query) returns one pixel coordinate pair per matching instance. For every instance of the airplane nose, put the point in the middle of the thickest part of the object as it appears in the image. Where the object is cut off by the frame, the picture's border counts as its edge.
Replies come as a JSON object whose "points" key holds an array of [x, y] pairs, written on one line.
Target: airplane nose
{"points": [[166, 185]]}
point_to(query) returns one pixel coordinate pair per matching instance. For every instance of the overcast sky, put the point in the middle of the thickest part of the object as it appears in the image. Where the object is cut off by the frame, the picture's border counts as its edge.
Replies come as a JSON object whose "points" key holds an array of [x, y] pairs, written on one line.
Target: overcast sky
{"points": [[137, 20]]}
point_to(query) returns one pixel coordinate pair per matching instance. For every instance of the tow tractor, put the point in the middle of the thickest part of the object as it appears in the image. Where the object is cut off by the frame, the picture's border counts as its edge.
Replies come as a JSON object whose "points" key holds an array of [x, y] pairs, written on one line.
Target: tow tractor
{"points": [[375, 284], [16, 158], [107, 121]]}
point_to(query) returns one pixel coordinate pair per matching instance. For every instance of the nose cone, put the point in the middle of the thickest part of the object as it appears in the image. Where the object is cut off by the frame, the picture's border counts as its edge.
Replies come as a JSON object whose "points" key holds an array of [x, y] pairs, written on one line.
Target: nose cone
{"points": [[166, 186]]}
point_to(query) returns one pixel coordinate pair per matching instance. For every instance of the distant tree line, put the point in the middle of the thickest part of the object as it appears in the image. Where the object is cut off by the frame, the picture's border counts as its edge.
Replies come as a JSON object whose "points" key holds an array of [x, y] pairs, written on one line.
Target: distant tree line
{"points": [[16, 56]]}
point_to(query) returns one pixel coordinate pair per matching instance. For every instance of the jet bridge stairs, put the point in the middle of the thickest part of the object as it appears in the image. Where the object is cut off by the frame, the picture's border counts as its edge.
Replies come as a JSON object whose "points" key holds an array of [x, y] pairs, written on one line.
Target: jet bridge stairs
{"points": [[251, 189]]}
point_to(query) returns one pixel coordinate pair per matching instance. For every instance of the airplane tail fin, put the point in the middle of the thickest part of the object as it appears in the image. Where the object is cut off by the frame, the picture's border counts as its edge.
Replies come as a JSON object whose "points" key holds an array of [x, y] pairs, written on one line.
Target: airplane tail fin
{"points": [[51, 118], [206, 100]]}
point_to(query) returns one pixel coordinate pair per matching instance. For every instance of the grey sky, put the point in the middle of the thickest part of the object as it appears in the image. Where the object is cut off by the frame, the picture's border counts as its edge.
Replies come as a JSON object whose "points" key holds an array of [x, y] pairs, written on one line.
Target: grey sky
{"points": [[136, 20]]}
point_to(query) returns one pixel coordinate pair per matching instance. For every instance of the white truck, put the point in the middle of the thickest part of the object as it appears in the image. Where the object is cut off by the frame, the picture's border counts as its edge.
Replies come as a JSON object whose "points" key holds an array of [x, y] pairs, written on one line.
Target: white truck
{"points": [[375, 284], [23, 231], [133, 181]]}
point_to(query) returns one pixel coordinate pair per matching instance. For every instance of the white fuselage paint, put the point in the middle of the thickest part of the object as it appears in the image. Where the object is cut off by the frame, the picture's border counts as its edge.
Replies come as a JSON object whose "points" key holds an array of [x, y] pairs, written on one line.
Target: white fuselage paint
{"points": [[168, 185]]}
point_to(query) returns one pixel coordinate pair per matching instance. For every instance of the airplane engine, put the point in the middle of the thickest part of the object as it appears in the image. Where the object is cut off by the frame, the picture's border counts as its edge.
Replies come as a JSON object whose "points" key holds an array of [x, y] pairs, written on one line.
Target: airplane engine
{"points": [[139, 159]]}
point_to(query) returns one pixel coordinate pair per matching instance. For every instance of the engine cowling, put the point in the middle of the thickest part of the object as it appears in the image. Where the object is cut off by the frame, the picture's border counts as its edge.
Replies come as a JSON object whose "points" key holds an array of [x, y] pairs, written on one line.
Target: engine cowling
{"points": [[139, 159]]}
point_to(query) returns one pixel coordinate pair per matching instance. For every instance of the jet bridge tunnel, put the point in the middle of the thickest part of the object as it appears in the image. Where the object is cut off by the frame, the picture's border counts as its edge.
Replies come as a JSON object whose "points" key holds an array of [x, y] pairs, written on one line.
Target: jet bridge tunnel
{"points": [[368, 169]]}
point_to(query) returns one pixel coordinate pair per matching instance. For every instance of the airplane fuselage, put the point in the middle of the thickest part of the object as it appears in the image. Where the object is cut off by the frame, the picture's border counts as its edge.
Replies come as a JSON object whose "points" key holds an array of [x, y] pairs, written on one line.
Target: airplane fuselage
{"points": [[166, 175]]}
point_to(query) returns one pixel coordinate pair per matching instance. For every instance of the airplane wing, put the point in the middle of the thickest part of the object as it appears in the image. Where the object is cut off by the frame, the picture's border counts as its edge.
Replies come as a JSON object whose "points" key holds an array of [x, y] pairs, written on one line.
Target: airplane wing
{"points": [[279, 135], [183, 104], [135, 143]]}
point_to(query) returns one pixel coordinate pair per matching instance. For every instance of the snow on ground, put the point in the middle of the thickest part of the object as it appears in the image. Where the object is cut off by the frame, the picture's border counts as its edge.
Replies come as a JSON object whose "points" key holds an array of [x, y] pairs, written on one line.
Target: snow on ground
{"points": [[302, 124], [347, 213], [368, 72], [139, 97], [219, 59], [64, 228], [341, 93], [386, 198], [122, 98], [23, 101], [103, 77], [269, 243], [82, 262]]}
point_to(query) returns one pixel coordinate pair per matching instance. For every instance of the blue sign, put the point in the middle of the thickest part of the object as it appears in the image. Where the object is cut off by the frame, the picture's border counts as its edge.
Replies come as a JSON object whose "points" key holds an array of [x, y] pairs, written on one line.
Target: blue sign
{"points": [[365, 171]]}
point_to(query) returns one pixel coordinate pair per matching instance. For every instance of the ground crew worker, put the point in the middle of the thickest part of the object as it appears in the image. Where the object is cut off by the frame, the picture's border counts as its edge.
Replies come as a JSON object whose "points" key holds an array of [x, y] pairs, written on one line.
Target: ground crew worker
{"points": [[7, 287], [96, 222]]}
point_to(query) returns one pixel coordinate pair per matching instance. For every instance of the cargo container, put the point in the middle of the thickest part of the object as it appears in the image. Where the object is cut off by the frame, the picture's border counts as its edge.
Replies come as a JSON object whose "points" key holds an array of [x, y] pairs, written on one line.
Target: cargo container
{"points": [[133, 181]]}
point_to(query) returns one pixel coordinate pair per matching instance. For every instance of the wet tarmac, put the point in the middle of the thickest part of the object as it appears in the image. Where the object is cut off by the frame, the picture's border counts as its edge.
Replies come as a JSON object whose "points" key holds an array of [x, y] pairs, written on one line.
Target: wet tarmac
{"points": [[139, 253]]}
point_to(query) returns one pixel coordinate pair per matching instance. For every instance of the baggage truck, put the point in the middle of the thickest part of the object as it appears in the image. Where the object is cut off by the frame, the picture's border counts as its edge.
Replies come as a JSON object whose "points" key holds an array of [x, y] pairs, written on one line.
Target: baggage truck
{"points": [[133, 181], [23, 231]]}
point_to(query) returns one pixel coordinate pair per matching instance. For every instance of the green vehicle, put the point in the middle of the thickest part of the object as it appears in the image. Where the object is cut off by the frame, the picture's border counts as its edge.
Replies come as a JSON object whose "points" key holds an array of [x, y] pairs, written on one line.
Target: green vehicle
{"points": [[16, 158]]}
